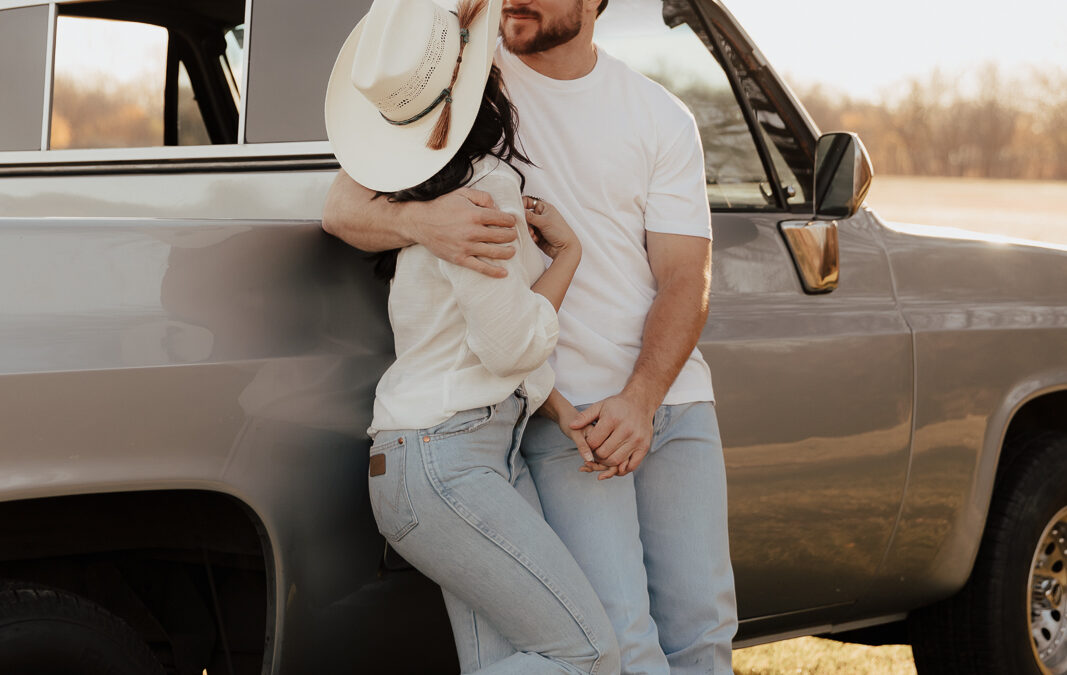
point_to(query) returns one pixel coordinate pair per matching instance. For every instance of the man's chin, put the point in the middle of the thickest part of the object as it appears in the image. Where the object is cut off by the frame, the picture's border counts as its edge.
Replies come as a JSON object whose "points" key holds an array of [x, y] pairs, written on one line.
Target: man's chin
{"points": [[518, 42], [519, 49]]}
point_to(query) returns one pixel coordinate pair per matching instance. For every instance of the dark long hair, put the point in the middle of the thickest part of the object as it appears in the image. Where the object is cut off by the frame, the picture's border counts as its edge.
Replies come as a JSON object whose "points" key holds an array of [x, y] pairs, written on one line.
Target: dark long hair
{"points": [[493, 134]]}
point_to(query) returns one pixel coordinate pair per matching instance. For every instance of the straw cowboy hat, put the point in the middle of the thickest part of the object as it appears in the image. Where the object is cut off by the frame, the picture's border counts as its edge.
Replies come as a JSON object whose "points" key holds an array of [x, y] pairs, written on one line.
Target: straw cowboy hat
{"points": [[406, 87]]}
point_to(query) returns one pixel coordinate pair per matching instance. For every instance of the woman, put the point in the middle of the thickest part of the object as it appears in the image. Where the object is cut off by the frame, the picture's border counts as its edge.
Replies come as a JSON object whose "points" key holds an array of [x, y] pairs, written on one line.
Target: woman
{"points": [[449, 488]]}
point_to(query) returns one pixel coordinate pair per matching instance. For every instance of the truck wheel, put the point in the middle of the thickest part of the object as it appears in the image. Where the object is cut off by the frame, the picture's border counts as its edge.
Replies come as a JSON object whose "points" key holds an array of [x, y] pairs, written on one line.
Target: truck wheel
{"points": [[1011, 616], [46, 631]]}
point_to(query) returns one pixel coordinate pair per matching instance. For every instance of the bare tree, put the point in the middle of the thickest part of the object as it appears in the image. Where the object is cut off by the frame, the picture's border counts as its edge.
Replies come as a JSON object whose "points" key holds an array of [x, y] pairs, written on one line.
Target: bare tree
{"points": [[1007, 126]]}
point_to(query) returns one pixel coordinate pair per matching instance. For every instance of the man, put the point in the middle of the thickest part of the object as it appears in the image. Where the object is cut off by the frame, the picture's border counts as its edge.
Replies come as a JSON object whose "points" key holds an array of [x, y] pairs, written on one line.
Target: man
{"points": [[621, 159]]}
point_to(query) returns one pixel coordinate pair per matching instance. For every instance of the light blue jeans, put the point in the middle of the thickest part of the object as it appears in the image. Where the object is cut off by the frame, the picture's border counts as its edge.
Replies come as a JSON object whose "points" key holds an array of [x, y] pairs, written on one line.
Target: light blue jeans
{"points": [[457, 502], [653, 543]]}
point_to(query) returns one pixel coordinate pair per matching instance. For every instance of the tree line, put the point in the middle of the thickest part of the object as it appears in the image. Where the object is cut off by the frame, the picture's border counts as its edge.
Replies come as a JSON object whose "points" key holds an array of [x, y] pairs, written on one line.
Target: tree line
{"points": [[1002, 126]]}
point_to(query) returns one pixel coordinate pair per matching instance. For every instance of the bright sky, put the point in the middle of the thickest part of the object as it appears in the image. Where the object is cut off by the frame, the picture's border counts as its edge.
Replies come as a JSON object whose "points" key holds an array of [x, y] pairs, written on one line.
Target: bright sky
{"points": [[861, 47], [87, 46], [857, 46]]}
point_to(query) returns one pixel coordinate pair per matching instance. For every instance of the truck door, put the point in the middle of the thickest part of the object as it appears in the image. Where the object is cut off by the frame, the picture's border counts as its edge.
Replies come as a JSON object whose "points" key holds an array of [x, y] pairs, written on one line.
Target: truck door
{"points": [[813, 391]]}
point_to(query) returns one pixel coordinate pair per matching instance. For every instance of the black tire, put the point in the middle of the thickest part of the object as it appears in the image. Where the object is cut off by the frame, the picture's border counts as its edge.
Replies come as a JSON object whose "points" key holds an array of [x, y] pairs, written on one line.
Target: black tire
{"points": [[46, 631], [985, 628]]}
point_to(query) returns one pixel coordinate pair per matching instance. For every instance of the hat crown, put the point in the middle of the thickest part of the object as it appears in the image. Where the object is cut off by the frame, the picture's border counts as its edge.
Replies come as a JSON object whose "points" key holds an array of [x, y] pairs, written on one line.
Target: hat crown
{"points": [[406, 56], [396, 150]]}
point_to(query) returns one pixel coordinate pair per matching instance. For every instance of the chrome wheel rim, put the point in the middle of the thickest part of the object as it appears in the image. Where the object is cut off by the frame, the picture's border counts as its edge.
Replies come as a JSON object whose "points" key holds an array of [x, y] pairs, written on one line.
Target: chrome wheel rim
{"points": [[1047, 596]]}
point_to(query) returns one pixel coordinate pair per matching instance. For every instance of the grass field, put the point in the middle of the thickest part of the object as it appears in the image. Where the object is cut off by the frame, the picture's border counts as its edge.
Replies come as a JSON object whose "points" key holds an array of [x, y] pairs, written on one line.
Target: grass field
{"points": [[1024, 209]]}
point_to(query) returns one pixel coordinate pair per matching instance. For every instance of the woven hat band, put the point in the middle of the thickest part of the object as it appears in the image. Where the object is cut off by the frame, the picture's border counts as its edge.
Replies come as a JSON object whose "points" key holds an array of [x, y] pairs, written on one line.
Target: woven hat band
{"points": [[404, 77], [445, 95]]}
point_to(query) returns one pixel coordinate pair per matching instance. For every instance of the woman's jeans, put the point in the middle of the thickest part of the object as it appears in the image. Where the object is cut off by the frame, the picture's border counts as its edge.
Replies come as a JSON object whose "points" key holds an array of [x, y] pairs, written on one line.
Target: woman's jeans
{"points": [[458, 503]]}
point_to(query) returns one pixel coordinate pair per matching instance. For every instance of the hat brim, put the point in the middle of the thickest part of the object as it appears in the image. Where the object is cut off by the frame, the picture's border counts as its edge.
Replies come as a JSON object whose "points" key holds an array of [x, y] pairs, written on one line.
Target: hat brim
{"points": [[385, 157]]}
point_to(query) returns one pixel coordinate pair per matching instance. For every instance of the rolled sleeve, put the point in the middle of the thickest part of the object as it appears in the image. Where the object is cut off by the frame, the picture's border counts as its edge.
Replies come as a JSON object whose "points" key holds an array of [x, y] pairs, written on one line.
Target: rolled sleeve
{"points": [[511, 329]]}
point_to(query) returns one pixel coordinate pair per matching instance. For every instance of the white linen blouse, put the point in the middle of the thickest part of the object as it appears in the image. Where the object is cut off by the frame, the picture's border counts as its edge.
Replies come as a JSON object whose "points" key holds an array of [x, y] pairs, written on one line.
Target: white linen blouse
{"points": [[465, 340]]}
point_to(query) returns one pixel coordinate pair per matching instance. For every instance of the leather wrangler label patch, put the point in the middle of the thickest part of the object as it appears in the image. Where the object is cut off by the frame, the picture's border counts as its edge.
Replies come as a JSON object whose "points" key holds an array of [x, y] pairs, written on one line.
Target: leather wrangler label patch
{"points": [[377, 465]]}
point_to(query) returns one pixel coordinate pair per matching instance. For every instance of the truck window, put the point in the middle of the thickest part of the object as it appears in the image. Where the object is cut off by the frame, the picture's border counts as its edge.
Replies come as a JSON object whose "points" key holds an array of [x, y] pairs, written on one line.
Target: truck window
{"points": [[23, 59], [143, 74], [108, 83], [679, 59]]}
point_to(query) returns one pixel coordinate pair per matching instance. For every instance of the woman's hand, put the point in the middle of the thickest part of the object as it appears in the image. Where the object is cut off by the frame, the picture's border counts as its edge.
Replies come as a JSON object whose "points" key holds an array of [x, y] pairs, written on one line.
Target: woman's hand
{"points": [[548, 229], [604, 470], [567, 413], [559, 410]]}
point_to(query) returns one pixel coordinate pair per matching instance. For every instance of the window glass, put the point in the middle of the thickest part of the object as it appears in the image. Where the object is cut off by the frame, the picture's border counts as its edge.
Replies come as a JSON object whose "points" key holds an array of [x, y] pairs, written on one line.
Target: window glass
{"points": [[233, 60], [142, 73], [191, 129], [794, 189], [23, 54], [635, 32], [792, 160], [108, 84]]}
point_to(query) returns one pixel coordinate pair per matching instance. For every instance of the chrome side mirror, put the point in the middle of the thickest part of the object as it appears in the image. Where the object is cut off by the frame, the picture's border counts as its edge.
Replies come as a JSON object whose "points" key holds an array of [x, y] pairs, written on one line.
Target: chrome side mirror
{"points": [[843, 175], [842, 178]]}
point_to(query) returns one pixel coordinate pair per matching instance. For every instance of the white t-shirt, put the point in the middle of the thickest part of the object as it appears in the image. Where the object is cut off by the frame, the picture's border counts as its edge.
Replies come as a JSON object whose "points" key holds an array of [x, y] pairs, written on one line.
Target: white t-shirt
{"points": [[465, 340], [618, 155]]}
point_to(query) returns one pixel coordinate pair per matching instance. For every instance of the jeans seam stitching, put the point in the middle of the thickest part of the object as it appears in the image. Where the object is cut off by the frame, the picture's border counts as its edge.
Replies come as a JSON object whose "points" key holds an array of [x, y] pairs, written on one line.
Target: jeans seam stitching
{"points": [[460, 510]]}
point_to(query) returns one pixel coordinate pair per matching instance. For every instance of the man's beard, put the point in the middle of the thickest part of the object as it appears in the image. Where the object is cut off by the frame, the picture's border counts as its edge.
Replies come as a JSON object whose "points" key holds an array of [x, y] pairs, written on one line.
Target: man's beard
{"points": [[548, 35]]}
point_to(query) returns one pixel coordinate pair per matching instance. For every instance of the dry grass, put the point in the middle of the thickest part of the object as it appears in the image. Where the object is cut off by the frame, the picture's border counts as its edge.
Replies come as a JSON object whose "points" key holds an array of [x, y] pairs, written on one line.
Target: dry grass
{"points": [[815, 656], [1018, 208]]}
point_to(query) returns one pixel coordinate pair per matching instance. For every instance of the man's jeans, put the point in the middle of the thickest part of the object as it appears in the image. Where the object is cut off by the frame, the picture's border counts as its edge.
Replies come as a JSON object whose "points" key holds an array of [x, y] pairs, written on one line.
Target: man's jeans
{"points": [[457, 502], [653, 543]]}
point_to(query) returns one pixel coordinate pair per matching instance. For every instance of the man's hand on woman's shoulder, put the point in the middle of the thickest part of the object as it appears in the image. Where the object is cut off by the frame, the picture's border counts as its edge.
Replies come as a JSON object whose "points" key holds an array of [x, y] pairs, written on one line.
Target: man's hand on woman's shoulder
{"points": [[464, 226], [460, 227]]}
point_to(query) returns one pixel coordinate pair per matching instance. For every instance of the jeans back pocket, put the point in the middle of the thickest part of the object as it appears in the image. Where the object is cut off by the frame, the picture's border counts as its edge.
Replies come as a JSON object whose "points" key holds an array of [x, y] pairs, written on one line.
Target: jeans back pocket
{"points": [[388, 488]]}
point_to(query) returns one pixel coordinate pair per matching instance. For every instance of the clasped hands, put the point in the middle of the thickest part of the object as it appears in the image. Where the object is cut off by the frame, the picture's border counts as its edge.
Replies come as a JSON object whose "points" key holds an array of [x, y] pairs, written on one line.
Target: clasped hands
{"points": [[613, 436]]}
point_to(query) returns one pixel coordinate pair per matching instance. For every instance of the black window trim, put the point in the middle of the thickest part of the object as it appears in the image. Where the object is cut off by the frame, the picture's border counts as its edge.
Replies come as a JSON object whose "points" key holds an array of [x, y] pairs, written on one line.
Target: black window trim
{"points": [[148, 159], [296, 155], [717, 23]]}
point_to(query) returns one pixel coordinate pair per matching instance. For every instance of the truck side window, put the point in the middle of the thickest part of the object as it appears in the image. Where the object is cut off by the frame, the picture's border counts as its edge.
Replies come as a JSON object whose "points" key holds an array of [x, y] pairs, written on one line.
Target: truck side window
{"points": [[678, 59], [145, 74], [23, 58], [791, 160], [108, 82]]}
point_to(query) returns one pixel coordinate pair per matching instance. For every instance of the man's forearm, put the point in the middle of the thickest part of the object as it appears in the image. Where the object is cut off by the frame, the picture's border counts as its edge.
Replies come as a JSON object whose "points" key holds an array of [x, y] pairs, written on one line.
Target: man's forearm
{"points": [[353, 215], [672, 329]]}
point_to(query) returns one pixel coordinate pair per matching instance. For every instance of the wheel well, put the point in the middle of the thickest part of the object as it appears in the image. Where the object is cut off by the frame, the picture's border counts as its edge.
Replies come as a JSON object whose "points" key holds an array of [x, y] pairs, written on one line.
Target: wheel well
{"points": [[189, 570], [1044, 414]]}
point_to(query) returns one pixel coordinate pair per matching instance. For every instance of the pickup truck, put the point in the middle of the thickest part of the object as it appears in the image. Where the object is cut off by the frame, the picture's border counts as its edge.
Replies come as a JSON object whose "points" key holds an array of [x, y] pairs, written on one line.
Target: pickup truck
{"points": [[188, 362]]}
